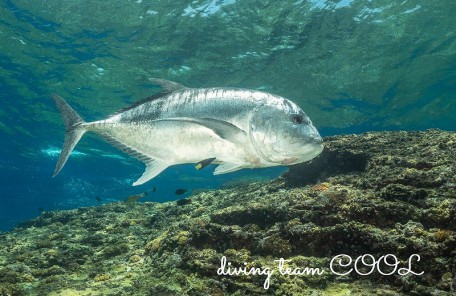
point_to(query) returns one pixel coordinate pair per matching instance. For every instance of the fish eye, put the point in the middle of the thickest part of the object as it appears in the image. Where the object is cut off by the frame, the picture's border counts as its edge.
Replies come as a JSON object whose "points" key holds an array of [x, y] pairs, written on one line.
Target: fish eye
{"points": [[296, 118]]}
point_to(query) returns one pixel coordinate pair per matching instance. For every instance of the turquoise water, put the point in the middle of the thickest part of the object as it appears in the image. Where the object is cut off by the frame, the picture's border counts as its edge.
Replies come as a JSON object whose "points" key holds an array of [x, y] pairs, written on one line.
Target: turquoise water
{"points": [[352, 66]]}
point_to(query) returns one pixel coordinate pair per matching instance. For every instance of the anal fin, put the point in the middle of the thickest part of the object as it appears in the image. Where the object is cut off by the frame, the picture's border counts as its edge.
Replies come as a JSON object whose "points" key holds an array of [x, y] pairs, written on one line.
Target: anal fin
{"points": [[226, 167], [125, 148], [153, 168]]}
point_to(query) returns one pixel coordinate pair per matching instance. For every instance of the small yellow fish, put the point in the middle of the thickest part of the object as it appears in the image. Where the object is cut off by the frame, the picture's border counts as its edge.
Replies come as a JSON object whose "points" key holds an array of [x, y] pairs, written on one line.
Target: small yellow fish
{"points": [[134, 198], [204, 163]]}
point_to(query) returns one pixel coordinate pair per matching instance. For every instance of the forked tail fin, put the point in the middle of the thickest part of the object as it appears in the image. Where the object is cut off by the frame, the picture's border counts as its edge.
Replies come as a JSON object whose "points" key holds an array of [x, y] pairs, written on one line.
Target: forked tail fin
{"points": [[74, 131]]}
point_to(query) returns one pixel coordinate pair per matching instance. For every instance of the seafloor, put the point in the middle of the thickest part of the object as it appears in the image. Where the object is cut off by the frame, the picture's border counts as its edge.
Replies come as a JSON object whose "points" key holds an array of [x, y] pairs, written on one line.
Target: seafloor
{"points": [[376, 193]]}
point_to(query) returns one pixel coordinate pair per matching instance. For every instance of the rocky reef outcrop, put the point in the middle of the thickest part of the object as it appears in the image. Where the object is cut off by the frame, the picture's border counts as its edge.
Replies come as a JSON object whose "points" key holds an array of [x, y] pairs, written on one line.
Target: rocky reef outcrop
{"points": [[374, 213]]}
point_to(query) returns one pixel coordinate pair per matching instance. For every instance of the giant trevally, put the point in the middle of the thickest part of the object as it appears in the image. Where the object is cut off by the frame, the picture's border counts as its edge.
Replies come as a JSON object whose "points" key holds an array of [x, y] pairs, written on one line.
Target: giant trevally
{"points": [[234, 128]]}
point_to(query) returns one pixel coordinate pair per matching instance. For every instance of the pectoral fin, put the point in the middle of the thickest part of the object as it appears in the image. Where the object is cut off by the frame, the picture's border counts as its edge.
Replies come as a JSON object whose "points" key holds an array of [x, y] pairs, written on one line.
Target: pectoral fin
{"points": [[153, 168], [223, 129], [226, 167]]}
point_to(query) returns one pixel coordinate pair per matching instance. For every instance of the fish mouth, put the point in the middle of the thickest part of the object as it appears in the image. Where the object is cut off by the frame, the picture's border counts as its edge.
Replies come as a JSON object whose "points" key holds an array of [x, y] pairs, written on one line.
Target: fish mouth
{"points": [[290, 160], [317, 139], [310, 152]]}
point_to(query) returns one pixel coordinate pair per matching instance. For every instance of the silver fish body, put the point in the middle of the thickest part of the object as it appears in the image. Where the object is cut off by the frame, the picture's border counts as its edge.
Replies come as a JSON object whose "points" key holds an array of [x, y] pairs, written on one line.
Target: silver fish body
{"points": [[239, 128]]}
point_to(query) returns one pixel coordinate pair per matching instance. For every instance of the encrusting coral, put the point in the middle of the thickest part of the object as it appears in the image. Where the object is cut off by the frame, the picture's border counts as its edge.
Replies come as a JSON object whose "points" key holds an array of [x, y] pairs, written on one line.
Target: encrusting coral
{"points": [[375, 193]]}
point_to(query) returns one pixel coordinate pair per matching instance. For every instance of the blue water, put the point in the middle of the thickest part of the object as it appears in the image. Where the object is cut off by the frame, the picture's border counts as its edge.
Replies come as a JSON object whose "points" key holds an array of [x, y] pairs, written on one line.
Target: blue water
{"points": [[352, 65]]}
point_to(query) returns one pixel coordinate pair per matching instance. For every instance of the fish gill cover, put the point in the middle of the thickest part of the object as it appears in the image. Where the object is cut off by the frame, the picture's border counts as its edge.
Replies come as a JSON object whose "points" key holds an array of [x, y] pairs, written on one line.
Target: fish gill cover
{"points": [[352, 65]]}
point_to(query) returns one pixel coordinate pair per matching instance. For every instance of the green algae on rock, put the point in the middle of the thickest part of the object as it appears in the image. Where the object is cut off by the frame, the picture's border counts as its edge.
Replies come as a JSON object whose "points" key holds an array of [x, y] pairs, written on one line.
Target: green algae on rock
{"points": [[376, 193]]}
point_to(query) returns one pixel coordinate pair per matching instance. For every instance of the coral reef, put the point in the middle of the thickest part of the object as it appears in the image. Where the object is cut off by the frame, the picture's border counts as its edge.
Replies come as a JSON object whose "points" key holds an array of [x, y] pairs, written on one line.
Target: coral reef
{"points": [[376, 193]]}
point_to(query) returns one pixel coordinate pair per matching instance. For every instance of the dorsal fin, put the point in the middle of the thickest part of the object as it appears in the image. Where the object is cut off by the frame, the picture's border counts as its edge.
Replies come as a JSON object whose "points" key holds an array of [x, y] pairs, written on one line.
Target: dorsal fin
{"points": [[167, 88], [167, 85]]}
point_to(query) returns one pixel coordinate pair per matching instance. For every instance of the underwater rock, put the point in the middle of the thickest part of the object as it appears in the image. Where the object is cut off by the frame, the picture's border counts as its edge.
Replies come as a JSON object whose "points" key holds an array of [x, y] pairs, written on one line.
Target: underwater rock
{"points": [[376, 193]]}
